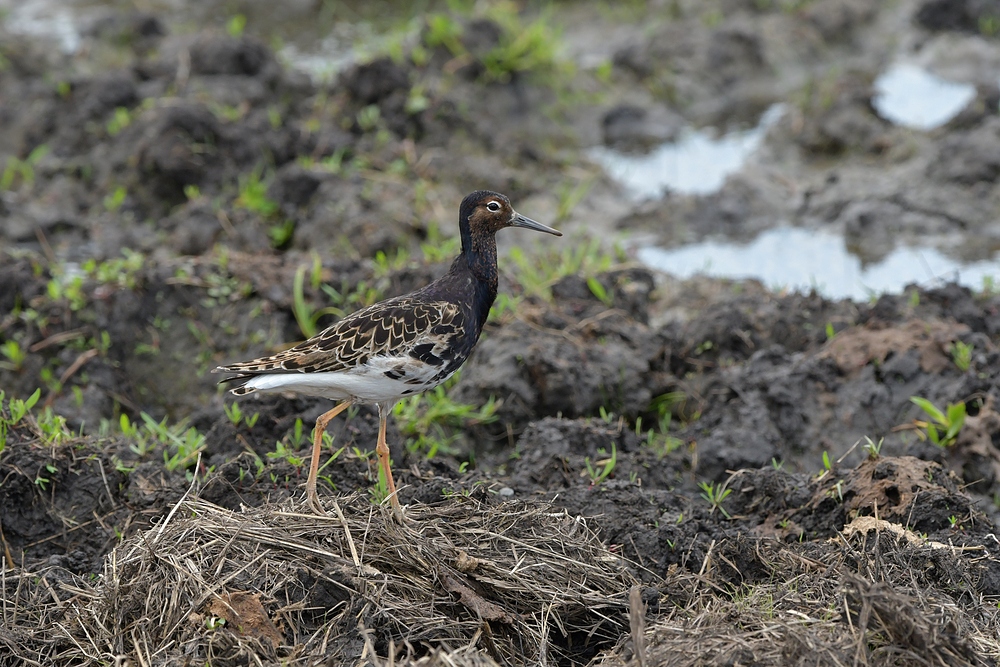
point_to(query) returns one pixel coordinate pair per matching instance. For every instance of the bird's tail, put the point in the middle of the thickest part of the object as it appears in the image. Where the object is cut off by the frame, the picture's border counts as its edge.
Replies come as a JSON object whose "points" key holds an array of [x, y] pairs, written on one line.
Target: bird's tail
{"points": [[242, 389]]}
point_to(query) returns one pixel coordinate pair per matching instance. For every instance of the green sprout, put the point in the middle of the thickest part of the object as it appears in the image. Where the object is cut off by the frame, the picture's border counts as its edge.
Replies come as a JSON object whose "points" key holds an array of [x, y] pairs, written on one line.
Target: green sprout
{"points": [[961, 355], [874, 449], [281, 234], [15, 355], [236, 25], [23, 169], [432, 422], [599, 291], [715, 495], [598, 475], [121, 119], [943, 427], [253, 195], [114, 200], [236, 415]]}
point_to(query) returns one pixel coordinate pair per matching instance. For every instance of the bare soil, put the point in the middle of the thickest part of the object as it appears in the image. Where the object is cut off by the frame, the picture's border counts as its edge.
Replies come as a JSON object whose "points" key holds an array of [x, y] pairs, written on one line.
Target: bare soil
{"points": [[751, 525]]}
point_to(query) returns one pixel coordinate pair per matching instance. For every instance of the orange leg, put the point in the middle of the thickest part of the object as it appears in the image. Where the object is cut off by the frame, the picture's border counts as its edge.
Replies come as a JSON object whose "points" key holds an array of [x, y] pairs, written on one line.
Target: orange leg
{"points": [[318, 431], [382, 449]]}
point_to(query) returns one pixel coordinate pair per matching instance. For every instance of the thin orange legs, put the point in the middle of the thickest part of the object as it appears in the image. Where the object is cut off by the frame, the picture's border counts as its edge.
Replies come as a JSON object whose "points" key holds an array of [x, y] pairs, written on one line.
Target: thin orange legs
{"points": [[318, 431], [382, 449]]}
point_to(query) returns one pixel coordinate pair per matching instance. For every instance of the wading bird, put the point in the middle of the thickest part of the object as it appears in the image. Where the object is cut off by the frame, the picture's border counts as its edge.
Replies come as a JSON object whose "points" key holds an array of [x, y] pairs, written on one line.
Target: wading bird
{"points": [[398, 347]]}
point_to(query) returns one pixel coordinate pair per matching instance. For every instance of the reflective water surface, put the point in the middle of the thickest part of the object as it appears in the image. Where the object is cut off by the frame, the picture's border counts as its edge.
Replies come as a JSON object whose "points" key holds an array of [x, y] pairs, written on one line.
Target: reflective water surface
{"points": [[799, 259], [910, 96], [697, 163]]}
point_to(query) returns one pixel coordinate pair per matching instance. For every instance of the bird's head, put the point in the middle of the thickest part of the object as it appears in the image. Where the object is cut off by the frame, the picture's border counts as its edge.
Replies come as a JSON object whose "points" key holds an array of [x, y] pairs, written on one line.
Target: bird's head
{"points": [[484, 213]]}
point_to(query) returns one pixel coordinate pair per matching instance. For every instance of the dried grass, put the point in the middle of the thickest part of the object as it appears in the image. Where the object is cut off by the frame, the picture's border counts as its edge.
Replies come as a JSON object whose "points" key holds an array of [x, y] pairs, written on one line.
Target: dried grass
{"points": [[862, 601], [468, 581], [472, 582]]}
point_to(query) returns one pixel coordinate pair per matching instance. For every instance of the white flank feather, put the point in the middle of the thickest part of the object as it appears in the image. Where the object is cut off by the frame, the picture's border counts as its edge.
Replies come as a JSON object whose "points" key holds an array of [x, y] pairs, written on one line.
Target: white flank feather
{"points": [[368, 383]]}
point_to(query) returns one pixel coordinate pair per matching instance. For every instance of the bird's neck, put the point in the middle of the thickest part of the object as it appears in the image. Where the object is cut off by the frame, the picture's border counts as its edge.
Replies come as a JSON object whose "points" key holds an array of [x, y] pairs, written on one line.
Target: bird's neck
{"points": [[479, 258]]}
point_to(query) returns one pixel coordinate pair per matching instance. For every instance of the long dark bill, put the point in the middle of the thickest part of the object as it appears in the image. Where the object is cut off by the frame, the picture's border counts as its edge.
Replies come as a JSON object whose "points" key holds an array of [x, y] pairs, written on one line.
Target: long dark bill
{"points": [[520, 221]]}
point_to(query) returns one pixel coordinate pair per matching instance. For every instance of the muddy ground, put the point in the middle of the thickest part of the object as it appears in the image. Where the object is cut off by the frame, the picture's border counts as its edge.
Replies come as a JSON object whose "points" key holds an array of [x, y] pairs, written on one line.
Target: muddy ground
{"points": [[631, 469]]}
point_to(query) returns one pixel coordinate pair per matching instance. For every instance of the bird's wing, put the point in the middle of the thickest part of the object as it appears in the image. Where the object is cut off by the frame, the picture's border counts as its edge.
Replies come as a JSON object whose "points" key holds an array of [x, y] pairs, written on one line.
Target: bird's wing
{"points": [[401, 327]]}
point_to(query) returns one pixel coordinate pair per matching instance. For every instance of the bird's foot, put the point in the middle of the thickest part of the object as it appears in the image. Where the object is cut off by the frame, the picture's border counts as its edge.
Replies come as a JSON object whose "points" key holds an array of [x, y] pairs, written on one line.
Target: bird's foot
{"points": [[397, 514], [314, 505]]}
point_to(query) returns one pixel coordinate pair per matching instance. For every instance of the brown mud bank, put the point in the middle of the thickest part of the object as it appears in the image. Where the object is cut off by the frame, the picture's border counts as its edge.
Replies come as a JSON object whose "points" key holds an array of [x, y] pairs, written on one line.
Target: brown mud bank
{"points": [[631, 469]]}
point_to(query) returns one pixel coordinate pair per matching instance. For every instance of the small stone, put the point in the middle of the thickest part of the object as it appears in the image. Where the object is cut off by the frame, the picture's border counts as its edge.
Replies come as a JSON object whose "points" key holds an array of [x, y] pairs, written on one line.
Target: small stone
{"points": [[506, 492]]}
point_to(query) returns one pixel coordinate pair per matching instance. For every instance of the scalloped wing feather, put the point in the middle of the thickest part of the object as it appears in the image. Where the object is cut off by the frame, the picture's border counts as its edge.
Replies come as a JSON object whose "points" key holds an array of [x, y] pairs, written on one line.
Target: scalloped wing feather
{"points": [[402, 327]]}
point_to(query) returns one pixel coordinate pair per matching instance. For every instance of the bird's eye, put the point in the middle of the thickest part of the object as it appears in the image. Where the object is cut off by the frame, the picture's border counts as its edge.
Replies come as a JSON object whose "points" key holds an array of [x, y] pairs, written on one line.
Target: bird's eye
{"points": [[493, 206]]}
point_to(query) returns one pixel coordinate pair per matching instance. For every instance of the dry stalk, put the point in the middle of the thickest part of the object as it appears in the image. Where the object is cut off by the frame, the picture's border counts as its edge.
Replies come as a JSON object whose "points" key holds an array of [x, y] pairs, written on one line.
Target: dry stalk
{"points": [[470, 581]]}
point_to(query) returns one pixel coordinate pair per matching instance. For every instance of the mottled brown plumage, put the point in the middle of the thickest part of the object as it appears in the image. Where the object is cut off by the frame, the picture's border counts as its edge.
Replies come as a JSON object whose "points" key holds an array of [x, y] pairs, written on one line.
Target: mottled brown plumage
{"points": [[426, 331], [398, 347]]}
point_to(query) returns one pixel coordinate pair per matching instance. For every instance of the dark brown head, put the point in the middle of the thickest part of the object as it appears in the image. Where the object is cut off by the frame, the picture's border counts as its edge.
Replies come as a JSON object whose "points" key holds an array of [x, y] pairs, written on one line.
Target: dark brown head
{"points": [[483, 213]]}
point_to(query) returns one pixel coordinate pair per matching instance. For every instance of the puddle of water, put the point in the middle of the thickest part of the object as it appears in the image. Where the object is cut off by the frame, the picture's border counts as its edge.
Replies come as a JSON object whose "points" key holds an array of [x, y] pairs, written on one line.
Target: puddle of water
{"points": [[697, 163], [910, 96], [319, 46], [336, 51], [320, 65], [798, 259], [50, 19]]}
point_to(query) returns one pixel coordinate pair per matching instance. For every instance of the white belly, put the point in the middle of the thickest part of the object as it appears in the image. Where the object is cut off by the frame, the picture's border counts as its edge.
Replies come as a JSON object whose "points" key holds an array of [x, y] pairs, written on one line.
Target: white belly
{"points": [[368, 383]]}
